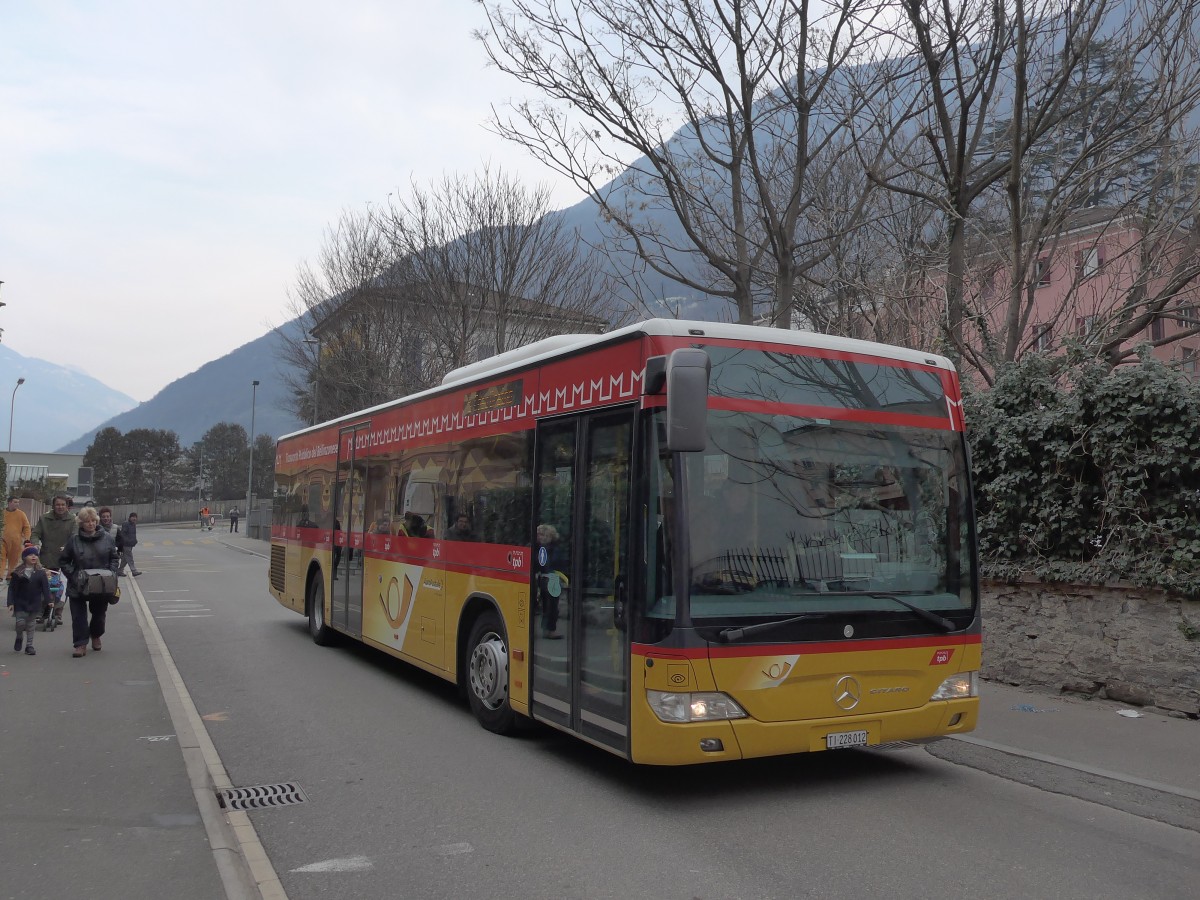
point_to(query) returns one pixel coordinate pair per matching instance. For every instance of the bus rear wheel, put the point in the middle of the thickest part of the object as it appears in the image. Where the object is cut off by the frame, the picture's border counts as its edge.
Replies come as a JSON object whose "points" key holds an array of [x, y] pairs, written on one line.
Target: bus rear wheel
{"points": [[487, 675], [321, 633]]}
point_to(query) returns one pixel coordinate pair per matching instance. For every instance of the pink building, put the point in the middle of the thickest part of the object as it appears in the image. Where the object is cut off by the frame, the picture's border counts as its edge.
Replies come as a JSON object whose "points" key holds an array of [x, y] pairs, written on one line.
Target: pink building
{"points": [[1103, 281]]}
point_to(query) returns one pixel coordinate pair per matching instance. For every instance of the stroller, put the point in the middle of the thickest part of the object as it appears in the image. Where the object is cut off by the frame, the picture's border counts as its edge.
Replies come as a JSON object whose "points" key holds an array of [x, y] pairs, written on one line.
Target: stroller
{"points": [[51, 616]]}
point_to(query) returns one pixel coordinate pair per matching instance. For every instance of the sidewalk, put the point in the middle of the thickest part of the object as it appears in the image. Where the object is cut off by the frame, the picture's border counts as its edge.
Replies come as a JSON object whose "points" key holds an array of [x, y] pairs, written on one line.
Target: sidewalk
{"points": [[106, 789], [1092, 735]]}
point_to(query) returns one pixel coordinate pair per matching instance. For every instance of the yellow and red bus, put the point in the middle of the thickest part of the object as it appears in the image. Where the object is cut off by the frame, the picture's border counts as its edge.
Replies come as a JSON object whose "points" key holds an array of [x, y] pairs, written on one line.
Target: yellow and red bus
{"points": [[679, 541]]}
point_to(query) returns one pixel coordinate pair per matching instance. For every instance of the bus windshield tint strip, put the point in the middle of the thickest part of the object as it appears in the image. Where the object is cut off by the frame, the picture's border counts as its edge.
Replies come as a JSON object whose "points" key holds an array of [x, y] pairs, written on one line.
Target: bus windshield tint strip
{"points": [[817, 381]]}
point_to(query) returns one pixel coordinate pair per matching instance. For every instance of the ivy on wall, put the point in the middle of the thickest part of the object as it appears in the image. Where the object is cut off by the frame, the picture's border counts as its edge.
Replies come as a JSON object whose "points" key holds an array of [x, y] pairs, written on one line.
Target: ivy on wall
{"points": [[1090, 476]]}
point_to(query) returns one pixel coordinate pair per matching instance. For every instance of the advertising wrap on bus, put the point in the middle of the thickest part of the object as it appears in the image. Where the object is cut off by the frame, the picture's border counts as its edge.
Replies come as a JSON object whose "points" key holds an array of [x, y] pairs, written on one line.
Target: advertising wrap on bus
{"points": [[679, 541]]}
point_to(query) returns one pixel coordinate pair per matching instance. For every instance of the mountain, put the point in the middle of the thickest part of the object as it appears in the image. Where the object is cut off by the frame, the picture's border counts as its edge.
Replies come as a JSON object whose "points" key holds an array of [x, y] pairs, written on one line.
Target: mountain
{"points": [[219, 391], [54, 403]]}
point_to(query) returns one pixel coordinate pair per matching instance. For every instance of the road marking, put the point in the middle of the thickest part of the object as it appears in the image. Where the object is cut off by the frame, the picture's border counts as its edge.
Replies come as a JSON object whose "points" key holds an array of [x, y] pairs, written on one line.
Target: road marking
{"points": [[170, 591], [184, 617], [453, 849], [157, 737], [348, 864], [216, 717]]}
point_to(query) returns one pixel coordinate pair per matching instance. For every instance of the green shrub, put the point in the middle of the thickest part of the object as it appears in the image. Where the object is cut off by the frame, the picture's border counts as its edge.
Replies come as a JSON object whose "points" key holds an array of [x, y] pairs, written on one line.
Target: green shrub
{"points": [[1089, 476]]}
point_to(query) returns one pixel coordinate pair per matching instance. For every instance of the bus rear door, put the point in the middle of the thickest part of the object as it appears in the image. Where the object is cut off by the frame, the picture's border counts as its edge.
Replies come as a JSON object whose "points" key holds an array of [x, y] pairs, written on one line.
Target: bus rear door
{"points": [[347, 604]]}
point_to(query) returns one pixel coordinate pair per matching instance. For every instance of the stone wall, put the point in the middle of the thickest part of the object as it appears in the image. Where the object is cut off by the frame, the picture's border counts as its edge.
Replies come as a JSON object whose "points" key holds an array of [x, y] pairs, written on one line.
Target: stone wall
{"points": [[1134, 645]]}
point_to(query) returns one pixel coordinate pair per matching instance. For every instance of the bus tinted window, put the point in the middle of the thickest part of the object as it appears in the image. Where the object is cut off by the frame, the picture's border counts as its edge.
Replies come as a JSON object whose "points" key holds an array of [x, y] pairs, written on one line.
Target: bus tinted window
{"points": [[814, 381], [491, 486]]}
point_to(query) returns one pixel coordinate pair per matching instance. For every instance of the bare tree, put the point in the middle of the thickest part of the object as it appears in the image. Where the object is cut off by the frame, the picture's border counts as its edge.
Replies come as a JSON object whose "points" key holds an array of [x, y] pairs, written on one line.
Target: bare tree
{"points": [[975, 62], [441, 277], [1128, 154], [491, 269], [873, 284], [760, 92], [355, 345], [1118, 163]]}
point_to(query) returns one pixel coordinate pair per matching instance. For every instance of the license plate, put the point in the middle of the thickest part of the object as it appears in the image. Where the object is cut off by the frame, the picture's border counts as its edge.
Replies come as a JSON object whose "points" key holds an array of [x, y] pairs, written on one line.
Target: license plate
{"points": [[839, 739]]}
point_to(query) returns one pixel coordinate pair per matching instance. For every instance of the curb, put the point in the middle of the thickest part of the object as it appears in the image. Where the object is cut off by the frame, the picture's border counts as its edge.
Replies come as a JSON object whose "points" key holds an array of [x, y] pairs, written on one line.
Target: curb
{"points": [[242, 862]]}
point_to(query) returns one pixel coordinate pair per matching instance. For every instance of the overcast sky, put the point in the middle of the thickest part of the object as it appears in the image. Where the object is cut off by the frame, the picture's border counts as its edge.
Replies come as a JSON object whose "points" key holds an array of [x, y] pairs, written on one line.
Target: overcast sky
{"points": [[165, 166]]}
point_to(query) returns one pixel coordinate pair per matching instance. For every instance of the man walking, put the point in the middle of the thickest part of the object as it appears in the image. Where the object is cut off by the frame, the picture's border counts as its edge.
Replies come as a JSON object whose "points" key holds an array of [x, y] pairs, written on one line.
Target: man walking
{"points": [[128, 542], [233, 520], [52, 530], [50, 535]]}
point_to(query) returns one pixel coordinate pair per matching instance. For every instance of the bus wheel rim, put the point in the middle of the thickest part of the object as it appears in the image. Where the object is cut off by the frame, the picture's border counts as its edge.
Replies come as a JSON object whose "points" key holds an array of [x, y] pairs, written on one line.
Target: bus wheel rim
{"points": [[489, 671]]}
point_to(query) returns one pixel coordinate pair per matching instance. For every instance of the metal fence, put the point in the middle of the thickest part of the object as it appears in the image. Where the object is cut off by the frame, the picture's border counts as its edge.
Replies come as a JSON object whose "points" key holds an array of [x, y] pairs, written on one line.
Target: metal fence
{"points": [[256, 523]]}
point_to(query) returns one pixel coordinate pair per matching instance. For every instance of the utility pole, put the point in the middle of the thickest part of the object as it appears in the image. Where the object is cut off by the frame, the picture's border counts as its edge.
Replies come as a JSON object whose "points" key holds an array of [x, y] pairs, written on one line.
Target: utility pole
{"points": [[250, 476]]}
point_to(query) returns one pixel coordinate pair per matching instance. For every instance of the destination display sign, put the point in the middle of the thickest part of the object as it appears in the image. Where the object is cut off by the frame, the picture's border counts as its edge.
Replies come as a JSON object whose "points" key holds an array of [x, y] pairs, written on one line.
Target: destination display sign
{"points": [[498, 396]]}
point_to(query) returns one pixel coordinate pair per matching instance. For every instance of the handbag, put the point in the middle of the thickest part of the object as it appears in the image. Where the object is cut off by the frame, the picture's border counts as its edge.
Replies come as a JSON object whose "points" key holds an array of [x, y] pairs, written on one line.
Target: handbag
{"points": [[94, 582]]}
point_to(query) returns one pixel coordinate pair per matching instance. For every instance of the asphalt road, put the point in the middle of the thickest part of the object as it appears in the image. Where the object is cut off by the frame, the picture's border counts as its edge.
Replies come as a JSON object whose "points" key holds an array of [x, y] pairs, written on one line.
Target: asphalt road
{"points": [[408, 797]]}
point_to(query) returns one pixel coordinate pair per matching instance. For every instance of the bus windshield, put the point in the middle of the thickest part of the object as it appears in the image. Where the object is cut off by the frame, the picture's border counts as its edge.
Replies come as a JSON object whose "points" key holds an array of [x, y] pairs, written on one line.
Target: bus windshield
{"points": [[790, 516]]}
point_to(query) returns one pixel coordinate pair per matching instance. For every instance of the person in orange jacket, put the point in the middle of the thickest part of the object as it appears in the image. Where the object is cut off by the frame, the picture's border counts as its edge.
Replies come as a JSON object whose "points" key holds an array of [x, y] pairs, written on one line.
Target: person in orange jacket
{"points": [[16, 532]]}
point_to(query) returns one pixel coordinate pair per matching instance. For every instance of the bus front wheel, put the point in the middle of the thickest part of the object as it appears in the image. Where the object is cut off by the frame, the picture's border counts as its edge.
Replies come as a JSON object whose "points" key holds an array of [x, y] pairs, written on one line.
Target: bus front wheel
{"points": [[321, 633], [487, 675]]}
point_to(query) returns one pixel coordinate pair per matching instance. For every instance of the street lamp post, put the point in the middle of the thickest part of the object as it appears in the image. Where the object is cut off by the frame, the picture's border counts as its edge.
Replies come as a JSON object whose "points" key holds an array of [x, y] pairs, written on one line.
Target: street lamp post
{"points": [[250, 477], [12, 405], [316, 379]]}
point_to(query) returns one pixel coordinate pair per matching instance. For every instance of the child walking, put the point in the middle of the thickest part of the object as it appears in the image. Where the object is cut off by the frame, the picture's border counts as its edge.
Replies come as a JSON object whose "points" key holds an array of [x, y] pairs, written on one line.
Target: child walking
{"points": [[28, 594]]}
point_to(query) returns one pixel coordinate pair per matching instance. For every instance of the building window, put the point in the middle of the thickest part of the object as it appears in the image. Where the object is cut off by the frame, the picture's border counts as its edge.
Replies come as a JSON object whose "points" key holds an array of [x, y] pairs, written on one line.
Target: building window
{"points": [[1189, 316], [1190, 359], [1041, 270], [987, 288], [1085, 325], [1042, 336], [1090, 261], [1156, 329]]}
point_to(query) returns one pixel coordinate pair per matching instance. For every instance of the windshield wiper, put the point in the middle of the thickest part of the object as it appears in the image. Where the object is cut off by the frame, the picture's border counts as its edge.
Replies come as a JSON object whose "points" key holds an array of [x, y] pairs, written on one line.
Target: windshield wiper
{"points": [[728, 635], [928, 615]]}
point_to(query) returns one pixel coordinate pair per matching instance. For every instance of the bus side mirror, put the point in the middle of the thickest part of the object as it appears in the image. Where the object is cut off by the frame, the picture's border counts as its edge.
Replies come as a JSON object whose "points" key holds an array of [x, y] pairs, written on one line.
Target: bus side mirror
{"points": [[687, 399]]}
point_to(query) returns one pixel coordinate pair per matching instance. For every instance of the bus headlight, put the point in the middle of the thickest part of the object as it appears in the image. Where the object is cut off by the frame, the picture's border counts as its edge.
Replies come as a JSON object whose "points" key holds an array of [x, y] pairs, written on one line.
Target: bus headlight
{"points": [[957, 687], [694, 707]]}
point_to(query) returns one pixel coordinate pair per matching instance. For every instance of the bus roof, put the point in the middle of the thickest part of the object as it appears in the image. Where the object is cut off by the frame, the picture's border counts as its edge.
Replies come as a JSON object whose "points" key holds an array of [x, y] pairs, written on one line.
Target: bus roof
{"points": [[559, 345]]}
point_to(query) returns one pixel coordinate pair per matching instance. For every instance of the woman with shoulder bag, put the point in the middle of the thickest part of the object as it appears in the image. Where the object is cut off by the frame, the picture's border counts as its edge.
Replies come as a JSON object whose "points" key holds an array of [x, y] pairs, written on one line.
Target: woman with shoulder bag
{"points": [[89, 561]]}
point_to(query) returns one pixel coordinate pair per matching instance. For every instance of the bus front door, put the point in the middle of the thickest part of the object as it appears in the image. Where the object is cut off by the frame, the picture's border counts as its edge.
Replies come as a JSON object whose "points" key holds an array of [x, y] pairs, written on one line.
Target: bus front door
{"points": [[346, 606], [580, 678]]}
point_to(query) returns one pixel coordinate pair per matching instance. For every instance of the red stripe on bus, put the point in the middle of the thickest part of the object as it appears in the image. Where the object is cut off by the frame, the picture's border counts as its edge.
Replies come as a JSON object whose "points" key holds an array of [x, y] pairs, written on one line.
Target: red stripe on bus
{"points": [[492, 561], [872, 416], [721, 651]]}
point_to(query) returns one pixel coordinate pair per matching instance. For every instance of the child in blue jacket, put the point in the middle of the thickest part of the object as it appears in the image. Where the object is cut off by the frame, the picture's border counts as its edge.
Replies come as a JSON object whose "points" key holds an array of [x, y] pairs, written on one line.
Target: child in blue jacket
{"points": [[28, 594]]}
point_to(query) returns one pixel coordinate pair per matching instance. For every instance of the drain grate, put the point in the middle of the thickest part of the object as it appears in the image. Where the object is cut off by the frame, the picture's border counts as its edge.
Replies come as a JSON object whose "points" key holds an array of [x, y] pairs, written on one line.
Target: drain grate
{"points": [[261, 796]]}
